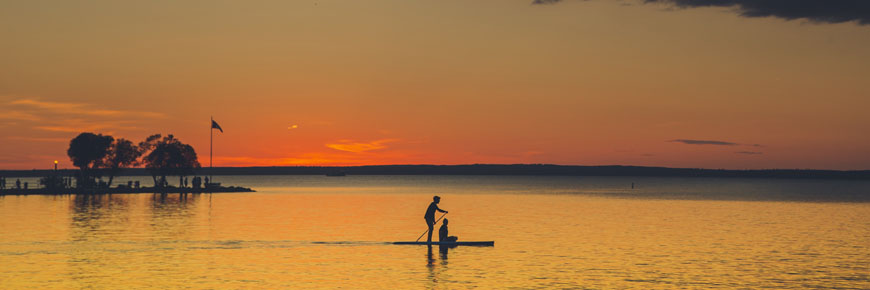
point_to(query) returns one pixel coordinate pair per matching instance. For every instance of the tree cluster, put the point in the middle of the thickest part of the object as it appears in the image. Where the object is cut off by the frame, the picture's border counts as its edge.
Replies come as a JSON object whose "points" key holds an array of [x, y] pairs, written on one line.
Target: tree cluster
{"points": [[97, 155]]}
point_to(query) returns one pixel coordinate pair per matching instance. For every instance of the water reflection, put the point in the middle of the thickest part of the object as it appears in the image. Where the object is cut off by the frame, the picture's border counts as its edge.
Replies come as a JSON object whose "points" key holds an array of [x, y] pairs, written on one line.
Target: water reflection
{"points": [[436, 270], [100, 217], [172, 215], [261, 240], [94, 220], [444, 249], [173, 202], [94, 215], [430, 265], [111, 235]]}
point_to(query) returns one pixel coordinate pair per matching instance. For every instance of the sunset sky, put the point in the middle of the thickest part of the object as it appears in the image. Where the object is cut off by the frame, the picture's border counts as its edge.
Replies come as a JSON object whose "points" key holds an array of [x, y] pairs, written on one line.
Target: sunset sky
{"points": [[327, 82]]}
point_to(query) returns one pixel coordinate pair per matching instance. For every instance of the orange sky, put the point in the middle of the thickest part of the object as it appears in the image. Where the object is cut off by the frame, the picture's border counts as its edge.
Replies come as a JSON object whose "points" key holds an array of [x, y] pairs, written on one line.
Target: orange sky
{"points": [[445, 82]]}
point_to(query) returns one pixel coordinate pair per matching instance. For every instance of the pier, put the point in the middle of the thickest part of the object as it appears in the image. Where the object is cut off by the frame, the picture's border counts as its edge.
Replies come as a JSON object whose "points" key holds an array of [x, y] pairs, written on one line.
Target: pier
{"points": [[122, 190]]}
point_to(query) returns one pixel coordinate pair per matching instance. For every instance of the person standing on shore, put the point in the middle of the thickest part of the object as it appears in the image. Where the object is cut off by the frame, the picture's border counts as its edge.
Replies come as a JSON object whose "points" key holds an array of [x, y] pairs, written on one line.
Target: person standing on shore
{"points": [[430, 215]]}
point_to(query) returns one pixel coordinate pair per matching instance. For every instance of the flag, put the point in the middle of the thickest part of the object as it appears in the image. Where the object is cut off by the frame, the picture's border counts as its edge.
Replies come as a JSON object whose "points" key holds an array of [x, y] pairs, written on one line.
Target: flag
{"points": [[214, 125]]}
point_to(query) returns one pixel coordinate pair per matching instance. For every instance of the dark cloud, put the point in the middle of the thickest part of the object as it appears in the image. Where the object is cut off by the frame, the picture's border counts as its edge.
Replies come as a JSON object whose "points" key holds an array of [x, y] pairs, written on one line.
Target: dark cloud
{"points": [[749, 152], [704, 142], [822, 11], [819, 11]]}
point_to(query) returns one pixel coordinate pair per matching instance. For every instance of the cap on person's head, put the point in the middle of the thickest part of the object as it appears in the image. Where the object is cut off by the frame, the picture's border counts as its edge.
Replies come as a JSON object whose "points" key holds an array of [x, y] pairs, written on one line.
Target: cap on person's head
{"points": [[436, 198]]}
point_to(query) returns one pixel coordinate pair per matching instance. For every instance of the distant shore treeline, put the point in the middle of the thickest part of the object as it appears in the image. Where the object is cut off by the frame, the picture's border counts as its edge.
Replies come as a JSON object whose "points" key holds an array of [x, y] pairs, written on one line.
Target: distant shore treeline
{"points": [[493, 169]]}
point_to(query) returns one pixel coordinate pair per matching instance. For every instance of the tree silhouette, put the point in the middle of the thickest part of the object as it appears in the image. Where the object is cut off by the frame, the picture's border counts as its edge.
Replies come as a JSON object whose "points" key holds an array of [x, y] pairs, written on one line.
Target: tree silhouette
{"points": [[168, 157], [145, 148], [87, 152], [121, 154], [149, 143]]}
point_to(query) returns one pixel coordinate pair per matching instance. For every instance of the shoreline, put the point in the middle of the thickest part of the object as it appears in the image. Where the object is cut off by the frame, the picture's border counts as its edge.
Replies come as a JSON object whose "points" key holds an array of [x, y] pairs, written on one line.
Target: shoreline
{"points": [[116, 190]]}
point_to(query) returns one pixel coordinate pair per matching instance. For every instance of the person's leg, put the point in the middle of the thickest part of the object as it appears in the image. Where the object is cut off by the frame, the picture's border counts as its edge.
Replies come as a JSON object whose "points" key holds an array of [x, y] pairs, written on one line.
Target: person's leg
{"points": [[431, 225]]}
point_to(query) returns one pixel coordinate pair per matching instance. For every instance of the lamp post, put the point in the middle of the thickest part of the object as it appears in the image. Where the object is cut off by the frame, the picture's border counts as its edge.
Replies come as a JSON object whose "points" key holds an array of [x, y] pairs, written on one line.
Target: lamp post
{"points": [[55, 165]]}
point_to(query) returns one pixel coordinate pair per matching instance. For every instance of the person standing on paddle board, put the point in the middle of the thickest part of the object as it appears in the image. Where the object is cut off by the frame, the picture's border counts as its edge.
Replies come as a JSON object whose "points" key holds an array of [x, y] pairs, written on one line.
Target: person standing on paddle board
{"points": [[430, 215]]}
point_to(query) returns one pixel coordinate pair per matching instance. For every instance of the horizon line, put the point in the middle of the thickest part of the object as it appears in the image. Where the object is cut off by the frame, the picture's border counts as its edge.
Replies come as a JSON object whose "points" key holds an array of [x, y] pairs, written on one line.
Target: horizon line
{"points": [[482, 164]]}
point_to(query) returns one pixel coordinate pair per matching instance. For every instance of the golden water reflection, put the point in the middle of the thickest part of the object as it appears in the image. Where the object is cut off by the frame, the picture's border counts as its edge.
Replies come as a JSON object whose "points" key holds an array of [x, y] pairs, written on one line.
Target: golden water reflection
{"points": [[329, 240]]}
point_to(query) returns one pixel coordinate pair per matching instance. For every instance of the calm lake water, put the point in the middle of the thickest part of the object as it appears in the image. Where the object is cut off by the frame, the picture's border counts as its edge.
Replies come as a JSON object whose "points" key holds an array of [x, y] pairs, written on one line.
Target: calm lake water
{"points": [[549, 232]]}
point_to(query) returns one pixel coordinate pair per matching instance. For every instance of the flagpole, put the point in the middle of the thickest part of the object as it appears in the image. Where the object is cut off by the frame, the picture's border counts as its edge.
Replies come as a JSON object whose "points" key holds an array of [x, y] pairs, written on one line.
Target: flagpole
{"points": [[210, 148]]}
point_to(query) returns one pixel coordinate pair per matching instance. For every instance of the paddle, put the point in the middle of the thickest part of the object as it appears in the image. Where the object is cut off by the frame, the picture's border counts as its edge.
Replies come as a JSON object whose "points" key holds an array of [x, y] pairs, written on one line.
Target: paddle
{"points": [[427, 230]]}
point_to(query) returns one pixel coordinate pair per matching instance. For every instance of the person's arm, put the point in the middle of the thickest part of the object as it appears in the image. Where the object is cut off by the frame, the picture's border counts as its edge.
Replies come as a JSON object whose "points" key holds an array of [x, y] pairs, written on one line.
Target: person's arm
{"points": [[439, 209]]}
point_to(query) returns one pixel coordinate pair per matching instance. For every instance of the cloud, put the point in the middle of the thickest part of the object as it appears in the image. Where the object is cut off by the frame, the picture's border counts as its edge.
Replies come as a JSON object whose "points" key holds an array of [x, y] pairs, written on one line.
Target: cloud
{"points": [[63, 117], [38, 139], [538, 2], [322, 158], [55, 106], [704, 142], [357, 147], [71, 129], [15, 115], [82, 109], [818, 11], [308, 159], [720, 143]]}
